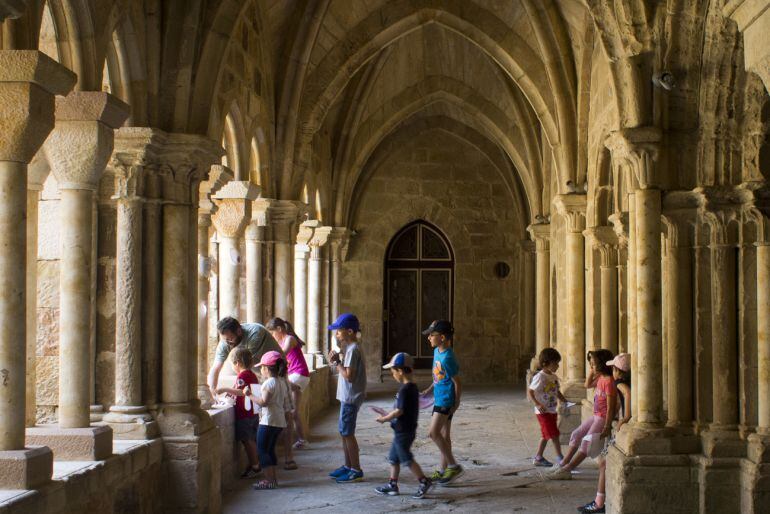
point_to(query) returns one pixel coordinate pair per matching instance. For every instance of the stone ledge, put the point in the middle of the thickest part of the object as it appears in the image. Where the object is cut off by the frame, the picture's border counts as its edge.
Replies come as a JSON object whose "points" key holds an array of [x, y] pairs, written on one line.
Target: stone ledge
{"points": [[25, 469], [74, 444]]}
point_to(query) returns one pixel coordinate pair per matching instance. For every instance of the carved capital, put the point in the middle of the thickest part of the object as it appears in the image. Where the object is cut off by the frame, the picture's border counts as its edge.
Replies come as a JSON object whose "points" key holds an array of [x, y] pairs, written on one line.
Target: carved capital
{"points": [[340, 242], [320, 236], [233, 203], [261, 211], [185, 161], [128, 181], [619, 222], [604, 240], [720, 209], [639, 149], [680, 227], [284, 214], [572, 207], [28, 82], [217, 178], [541, 235]]}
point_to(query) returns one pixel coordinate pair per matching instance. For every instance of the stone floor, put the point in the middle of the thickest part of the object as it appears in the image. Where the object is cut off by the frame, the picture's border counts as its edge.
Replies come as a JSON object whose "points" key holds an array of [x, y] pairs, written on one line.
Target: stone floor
{"points": [[494, 435]]}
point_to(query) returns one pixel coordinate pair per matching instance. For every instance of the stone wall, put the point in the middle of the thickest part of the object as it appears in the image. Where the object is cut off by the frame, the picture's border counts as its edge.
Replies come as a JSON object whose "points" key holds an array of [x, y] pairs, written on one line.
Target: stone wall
{"points": [[449, 183]]}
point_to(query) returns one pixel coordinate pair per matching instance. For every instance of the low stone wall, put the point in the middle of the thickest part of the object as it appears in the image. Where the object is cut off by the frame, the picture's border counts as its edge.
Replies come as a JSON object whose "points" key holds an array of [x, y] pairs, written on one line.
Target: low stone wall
{"points": [[315, 400], [129, 481]]}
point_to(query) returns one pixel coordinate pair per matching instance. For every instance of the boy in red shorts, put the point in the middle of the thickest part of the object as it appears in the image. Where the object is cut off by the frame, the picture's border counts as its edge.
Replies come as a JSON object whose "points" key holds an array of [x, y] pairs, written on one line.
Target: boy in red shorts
{"points": [[544, 392]]}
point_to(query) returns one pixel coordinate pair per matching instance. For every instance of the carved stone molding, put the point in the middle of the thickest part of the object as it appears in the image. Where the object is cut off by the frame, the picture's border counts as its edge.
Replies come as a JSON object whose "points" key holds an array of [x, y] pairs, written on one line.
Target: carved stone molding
{"points": [[639, 148], [619, 221], [541, 235], [572, 207], [28, 82], [340, 243], [218, 176], [680, 227], [233, 203], [603, 239]]}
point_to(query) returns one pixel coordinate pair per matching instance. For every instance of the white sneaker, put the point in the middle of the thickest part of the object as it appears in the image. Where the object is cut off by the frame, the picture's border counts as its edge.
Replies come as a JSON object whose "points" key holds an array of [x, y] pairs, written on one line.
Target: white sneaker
{"points": [[558, 473]]}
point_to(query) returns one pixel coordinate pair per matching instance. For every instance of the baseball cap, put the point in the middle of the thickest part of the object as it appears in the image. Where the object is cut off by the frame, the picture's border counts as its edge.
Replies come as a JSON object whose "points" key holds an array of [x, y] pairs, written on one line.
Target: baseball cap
{"points": [[400, 360], [441, 326], [622, 361], [347, 321], [270, 358]]}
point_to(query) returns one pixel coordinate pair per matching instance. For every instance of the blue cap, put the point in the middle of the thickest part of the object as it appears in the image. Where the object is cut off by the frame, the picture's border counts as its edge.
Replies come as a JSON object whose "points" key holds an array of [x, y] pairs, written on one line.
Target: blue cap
{"points": [[400, 360], [346, 321]]}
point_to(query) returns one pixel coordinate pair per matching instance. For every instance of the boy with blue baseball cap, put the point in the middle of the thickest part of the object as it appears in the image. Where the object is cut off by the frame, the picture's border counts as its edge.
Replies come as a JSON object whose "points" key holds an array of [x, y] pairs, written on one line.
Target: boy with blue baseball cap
{"points": [[351, 391], [403, 420]]}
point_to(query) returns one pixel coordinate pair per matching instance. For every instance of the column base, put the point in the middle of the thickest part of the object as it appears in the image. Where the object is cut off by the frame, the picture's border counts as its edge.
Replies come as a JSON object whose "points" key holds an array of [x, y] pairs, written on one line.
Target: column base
{"points": [[89, 443], [193, 463], [97, 413], [719, 469], [568, 420], [204, 396], [129, 422], [183, 420], [755, 475], [29, 468], [641, 484], [645, 439], [574, 390]]}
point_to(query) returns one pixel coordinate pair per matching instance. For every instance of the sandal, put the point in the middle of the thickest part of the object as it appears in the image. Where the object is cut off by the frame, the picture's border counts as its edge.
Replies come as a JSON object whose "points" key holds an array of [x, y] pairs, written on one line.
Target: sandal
{"points": [[290, 465], [592, 508], [265, 484]]}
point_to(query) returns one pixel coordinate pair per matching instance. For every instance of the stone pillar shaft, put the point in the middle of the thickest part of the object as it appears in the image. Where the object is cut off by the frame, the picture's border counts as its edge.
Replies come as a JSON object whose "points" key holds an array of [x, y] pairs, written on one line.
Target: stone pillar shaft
{"points": [[175, 312], [229, 276], [679, 310], [33, 199], [649, 316], [724, 344], [314, 306], [254, 241], [575, 318], [204, 266], [283, 255], [74, 324], [151, 294], [631, 301], [763, 337], [128, 329], [300, 289], [13, 239], [543, 298], [609, 314]]}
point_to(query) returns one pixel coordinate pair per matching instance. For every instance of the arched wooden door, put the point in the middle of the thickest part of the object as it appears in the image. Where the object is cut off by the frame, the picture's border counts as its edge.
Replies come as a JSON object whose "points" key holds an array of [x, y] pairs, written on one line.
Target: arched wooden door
{"points": [[419, 274]]}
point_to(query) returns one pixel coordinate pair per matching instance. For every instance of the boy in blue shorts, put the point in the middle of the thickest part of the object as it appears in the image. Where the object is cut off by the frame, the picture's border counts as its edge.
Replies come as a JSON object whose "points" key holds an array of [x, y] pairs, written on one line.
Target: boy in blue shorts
{"points": [[351, 391], [446, 393], [403, 420]]}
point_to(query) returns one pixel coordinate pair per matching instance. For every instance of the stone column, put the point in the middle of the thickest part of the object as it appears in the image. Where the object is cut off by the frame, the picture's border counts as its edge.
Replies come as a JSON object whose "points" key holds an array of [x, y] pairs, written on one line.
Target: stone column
{"points": [[255, 240], [572, 207], [608, 253], [763, 337], [38, 172], [631, 301], [284, 217], [678, 292], [315, 330], [218, 176], [301, 255], [78, 149], [541, 234], [338, 252], [28, 82], [527, 301], [129, 417], [233, 213], [151, 276]]}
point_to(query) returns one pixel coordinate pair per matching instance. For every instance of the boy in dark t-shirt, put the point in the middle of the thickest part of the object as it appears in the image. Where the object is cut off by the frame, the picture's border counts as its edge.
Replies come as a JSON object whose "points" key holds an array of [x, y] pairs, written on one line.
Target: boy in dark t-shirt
{"points": [[403, 420]]}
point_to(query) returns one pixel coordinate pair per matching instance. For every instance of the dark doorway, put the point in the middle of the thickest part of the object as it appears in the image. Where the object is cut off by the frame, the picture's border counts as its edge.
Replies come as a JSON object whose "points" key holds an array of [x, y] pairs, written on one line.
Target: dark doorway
{"points": [[419, 269]]}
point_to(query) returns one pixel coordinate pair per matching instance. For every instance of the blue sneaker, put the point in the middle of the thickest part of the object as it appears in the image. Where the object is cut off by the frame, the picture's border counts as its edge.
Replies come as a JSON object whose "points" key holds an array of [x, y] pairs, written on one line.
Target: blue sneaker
{"points": [[340, 471], [351, 476]]}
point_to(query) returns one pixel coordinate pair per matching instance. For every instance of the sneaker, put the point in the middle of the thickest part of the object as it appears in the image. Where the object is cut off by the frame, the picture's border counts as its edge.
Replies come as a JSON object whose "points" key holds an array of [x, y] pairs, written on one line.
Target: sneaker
{"points": [[251, 472], [559, 473], [299, 444], [451, 474], [592, 508], [422, 489], [542, 462], [390, 489], [342, 470], [437, 475], [351, 476]]}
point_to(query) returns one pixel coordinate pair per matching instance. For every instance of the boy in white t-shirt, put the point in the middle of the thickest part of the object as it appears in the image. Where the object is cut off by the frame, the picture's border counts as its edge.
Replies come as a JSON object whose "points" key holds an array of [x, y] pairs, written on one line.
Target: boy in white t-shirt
{"points": [[544, 392]]}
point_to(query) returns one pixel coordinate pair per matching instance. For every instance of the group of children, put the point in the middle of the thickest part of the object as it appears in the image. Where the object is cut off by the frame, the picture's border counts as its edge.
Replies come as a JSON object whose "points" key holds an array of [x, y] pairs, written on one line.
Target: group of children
{"points": [[284, 376], [609, 376]]}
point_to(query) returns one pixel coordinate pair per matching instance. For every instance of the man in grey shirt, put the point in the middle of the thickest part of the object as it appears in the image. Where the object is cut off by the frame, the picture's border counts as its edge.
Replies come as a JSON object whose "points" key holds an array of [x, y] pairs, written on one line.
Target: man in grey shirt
{"points": [[252, 336]]}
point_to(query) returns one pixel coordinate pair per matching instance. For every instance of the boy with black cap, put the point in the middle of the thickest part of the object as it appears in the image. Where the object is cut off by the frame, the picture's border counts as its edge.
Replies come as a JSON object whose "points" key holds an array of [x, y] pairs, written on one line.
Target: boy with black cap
{"points": [[351, 391], [446, 393], [403, 420]]}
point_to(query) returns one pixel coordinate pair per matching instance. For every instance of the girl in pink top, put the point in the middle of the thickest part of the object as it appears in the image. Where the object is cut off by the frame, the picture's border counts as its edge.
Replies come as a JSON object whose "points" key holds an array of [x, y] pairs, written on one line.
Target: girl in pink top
{"points": [[605, 406], [298, 374]]}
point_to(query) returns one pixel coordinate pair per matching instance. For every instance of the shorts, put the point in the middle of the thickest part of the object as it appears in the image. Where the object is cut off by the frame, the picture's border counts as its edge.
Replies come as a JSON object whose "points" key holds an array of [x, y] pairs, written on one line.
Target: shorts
{"points": [[592, 425], [246, 429], [444, 410], [548, 427], [300, 381], [348, 416], [400, 450]]}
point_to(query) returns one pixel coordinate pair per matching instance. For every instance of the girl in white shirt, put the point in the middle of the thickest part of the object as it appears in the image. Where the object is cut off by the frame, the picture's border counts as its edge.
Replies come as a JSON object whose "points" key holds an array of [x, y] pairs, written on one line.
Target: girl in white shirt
{"points": [[275, 402]]}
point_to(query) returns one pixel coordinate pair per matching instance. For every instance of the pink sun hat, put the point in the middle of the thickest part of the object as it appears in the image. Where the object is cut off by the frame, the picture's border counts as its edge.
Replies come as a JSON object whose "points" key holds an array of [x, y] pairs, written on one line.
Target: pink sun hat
{"points": [[622, 361], [270, 358]]}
